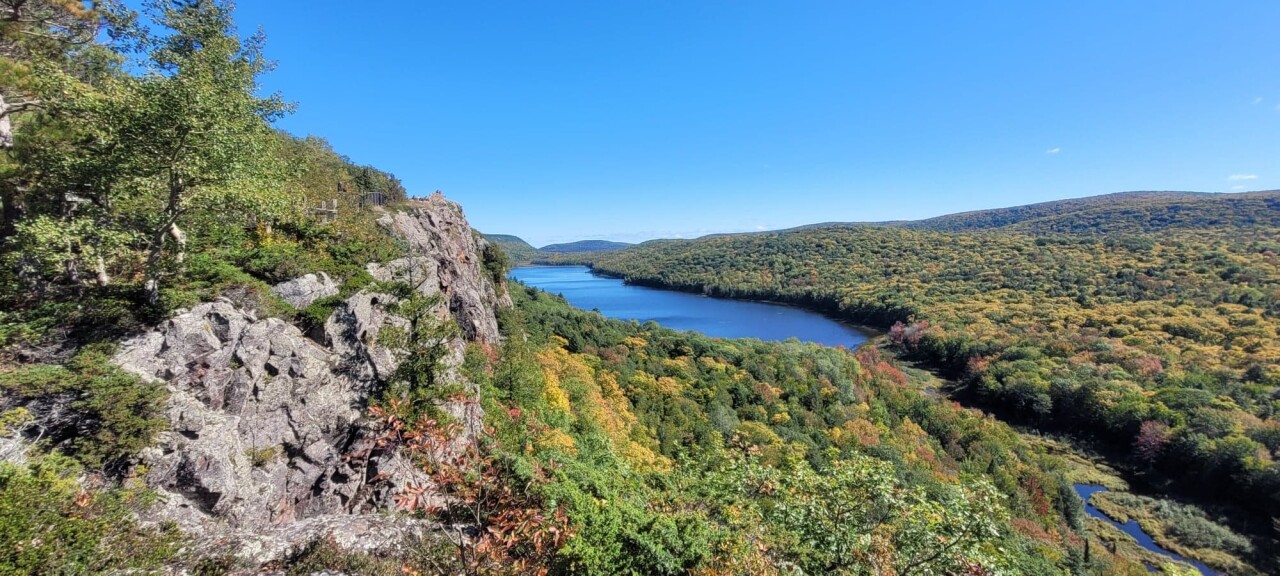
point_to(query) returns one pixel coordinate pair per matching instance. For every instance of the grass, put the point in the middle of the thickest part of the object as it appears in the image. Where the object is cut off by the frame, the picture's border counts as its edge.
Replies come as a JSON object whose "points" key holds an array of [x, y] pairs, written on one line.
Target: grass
{"points": [[1180, 528], [1124, 546], [1081, 467]]}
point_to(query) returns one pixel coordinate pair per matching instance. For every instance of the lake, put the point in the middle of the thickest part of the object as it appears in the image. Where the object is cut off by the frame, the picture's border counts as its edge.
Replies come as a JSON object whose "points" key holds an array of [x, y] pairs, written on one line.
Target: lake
{"points": [[685, 311]]}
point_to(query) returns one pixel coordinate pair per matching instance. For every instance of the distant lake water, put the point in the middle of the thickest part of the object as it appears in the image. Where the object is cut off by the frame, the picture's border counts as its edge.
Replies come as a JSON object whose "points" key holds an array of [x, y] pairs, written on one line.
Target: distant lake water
{"points": [[684, 311]]}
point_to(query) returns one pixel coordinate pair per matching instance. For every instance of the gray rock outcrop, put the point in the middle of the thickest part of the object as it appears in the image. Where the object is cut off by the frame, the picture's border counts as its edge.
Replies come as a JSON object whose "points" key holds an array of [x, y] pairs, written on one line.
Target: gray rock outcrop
{"points": [[436, 229], [259, 419], [269, 445], [301, 292]]}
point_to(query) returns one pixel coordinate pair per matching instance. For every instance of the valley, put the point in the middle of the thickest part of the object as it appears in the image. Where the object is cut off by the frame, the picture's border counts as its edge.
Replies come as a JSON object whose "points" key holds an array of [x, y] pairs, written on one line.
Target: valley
{"points": [[1099, 332], [227, 346]]}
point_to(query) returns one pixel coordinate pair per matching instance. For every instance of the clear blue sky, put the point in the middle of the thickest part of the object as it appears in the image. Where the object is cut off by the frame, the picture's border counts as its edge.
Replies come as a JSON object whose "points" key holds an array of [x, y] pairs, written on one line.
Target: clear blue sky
{"points": [[636, 119]]}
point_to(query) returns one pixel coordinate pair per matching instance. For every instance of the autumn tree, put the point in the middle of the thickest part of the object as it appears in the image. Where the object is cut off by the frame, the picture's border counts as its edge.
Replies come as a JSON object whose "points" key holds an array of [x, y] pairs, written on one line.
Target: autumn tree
{"points": [[1152, 438]]}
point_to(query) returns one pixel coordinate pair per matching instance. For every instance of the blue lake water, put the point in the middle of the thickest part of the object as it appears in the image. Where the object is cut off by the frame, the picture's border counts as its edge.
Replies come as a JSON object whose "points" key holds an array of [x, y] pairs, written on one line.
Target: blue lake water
{"points": [[685, 311], [1132, 528]]}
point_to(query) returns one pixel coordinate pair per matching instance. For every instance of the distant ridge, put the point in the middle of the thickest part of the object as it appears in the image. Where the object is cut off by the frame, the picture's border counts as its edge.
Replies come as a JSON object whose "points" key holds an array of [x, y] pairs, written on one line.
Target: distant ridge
{"points": [[521, 253], [1120, 212], [516, 249], [585, 246], [1116, 213], [1016, 215]]}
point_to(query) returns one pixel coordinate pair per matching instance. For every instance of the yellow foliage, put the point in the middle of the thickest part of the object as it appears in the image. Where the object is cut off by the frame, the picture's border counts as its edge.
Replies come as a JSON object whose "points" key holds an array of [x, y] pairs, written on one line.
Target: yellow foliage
{"points": [[557, 440], [601, 401], [644, 459], [668, 386]]}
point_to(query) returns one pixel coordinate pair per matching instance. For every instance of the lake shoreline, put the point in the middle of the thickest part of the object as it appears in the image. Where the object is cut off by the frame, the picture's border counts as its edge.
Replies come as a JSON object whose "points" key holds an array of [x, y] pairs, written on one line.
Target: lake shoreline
{"points": [[869, 330], [709, 314]]}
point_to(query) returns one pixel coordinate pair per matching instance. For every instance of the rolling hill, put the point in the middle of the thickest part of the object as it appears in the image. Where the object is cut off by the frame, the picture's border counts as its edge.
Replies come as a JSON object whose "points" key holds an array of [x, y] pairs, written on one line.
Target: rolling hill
{"points": [[1120, 212], [585, 246], [1124, 212], [516, 249]]}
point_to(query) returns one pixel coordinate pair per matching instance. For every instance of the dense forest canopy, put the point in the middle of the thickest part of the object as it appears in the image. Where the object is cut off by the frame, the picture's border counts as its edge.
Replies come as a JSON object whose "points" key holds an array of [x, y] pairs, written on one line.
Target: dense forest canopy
{"points": [[1122, 212], [585, 246], [515, 248], [1160, 346]]}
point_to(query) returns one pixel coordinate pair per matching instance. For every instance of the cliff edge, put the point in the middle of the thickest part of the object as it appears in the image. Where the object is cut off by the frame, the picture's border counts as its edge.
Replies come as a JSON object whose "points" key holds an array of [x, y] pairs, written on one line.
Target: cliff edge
{"points": [[269, 446]]}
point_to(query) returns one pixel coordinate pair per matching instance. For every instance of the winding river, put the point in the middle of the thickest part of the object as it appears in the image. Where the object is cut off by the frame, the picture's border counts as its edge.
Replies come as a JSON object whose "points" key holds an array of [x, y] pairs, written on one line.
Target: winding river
{"points": [[684, 311], [1086, 491]]}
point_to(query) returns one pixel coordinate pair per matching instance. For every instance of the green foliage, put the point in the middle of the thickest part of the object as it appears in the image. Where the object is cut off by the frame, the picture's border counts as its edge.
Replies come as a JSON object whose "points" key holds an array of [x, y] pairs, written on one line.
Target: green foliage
{"points": [[675, 452], [149, 178], [1060, 333], [496, 262], [857, 517], [1123, 213], [49, 525], [519, 251], [421, 344], [584, 246], [111, 414], [1187, 525]]}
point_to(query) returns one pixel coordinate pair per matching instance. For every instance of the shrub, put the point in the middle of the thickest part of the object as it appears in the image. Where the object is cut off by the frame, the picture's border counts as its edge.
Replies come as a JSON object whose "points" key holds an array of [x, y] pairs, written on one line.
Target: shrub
{"points": [[114, 414], [50, 525]]}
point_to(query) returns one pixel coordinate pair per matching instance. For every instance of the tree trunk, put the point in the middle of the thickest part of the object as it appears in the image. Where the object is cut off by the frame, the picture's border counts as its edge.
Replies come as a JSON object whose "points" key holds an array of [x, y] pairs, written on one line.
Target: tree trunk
{"points": [[101, 268], [72, 266], [8, 200], [6, 125], [179, 238], [170, 228], [152, 284]]}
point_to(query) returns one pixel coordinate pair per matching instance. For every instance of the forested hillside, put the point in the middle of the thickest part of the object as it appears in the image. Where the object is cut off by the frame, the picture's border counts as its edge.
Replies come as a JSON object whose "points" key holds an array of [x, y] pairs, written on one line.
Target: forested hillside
{"points": [[681, 453], [516, 249], [1161, 348], [227, 349], [585, 246], [1121, 213]]}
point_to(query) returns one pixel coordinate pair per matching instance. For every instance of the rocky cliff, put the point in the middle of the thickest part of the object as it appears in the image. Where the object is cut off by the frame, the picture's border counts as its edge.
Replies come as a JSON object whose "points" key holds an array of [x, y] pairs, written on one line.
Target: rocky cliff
{"points": [[269, 446]]}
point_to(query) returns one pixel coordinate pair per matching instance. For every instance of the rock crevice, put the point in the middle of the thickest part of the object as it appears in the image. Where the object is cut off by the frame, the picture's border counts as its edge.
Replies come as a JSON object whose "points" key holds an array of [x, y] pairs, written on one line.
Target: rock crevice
{"points": [[269, 444]]}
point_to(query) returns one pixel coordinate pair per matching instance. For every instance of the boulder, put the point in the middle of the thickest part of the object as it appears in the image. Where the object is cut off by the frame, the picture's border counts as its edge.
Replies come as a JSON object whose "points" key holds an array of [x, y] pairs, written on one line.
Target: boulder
{"points": [[259, 418], [301, 292]]}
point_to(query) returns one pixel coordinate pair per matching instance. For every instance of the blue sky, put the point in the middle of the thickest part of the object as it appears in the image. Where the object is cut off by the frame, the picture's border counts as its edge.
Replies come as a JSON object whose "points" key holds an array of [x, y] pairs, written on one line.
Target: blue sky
{"points": [[629, 120]]}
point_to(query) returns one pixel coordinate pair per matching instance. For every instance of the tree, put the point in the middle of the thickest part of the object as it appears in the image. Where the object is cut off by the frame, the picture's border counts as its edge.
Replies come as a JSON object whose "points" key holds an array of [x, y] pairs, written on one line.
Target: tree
{"points": [[1152, 438], [856, 517], [197, 133], [122, 170], [47, 50]]}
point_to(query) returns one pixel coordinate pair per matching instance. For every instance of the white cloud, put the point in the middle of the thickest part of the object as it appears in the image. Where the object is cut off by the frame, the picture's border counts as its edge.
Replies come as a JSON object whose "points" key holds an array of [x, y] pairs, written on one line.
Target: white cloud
{"points": [[1257, 100], [1053, 151], [1238, 177]]}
